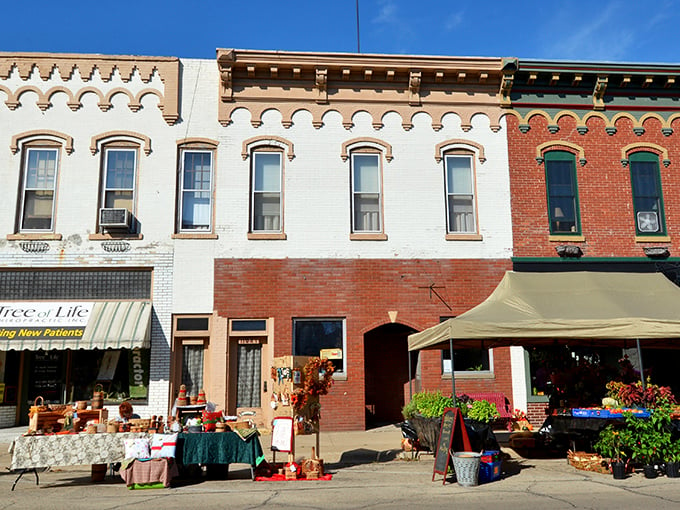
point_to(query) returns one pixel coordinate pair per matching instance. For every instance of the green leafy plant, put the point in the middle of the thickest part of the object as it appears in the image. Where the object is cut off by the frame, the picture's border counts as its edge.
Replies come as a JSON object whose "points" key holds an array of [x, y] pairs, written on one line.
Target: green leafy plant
{"points": [[428, 404], [613, 442], [651, 437], [483, 411]]}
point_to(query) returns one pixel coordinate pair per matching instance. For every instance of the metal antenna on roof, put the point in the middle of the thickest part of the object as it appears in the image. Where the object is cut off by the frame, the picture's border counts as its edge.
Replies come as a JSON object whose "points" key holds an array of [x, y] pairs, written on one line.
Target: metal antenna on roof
{"points": [[358, 40]]}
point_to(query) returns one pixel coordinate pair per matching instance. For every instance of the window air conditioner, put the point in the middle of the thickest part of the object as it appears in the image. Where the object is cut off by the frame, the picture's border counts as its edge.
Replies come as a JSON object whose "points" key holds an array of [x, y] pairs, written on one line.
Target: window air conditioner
{"points": [[110, 217], [648, 221]]}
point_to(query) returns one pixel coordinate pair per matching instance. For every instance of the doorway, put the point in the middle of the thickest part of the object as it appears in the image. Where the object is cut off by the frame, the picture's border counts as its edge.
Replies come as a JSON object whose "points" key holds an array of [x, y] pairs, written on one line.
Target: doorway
{"points": [[386, 373]]}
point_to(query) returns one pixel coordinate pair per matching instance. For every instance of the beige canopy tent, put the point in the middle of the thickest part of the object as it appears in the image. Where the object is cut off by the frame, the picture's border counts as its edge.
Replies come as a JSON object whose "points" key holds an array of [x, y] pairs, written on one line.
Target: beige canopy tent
{"points": [[571, 307], [576, 308]]}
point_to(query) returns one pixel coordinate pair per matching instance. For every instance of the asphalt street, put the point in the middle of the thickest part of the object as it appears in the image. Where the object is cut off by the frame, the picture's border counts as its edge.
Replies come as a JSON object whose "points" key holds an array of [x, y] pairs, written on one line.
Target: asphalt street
{"points": [[368, 472]]}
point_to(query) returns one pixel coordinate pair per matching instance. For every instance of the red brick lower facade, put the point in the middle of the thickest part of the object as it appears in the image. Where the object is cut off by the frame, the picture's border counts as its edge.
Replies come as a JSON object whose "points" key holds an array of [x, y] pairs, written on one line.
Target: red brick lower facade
{"points": [[366, 293]]}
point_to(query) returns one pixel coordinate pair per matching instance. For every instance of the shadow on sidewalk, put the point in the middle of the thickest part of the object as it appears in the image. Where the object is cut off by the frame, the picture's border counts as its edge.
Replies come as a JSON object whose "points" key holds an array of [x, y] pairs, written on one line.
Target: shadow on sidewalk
{"points": [[362, 456]]}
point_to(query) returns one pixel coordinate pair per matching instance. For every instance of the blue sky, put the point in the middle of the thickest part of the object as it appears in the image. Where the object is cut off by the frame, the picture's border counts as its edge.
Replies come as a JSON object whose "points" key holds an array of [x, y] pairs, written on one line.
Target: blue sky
{"points": [[606, 30]]}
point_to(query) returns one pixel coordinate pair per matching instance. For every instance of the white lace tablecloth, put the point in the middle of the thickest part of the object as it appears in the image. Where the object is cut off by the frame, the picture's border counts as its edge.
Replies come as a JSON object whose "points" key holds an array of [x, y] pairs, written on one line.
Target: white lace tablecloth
{"points": [[30, 452]]}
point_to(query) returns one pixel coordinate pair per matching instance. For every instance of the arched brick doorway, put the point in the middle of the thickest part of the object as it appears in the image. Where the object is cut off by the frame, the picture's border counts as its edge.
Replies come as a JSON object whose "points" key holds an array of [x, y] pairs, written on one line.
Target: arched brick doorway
{"points": [[386, 373]]}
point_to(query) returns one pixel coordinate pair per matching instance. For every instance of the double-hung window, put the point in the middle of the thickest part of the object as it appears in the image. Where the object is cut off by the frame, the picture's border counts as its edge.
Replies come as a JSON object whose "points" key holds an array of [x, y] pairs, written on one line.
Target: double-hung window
{"points": [[266, 210], [120, 167], [366, 193], [38, 190], [196, 191], [647, 199], [562, 190], [460, 194]]}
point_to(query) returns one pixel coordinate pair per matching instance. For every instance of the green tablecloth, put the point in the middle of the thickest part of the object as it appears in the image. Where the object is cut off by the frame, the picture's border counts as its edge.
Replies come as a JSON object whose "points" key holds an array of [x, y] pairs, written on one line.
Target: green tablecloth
{"points": [[218, 448]]}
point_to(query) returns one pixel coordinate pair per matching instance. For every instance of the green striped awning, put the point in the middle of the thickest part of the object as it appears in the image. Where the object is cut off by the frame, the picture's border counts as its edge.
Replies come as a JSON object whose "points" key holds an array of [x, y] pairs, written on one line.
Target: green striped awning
{"points": [[118, 324]]}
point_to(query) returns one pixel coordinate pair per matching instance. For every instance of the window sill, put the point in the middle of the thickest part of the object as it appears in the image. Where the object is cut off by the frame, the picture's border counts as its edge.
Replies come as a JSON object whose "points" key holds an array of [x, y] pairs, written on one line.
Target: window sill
{"points": [[109, 237], [340, 377], [470, 374], [653, 239], [186, 235], [368, 237], [34, 237], [464, 237], [538, 399], [566, 237], [271, 236]]}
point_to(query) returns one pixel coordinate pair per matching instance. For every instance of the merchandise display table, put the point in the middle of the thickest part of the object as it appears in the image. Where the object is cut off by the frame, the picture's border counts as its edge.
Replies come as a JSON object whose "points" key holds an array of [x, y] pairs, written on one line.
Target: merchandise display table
{"points": [[30, 453], [219, 448]]}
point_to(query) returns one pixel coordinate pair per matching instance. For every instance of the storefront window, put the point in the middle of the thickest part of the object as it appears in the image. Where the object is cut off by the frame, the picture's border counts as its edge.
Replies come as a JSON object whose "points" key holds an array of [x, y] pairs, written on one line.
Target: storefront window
{"points": [[192, 368], [470, 360], [574, 375], [9, 376], [68, 376]]}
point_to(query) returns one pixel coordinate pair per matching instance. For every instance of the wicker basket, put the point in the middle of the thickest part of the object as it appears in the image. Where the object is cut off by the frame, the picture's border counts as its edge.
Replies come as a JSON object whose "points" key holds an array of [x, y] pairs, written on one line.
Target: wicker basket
{"points": [[588, 461], [139, 424], [38, 408]]}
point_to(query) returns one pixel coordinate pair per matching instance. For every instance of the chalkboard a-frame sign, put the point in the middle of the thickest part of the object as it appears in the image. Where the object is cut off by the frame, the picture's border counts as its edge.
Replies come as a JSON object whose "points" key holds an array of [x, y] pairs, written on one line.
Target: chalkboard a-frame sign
{"points": [[452, 434]]}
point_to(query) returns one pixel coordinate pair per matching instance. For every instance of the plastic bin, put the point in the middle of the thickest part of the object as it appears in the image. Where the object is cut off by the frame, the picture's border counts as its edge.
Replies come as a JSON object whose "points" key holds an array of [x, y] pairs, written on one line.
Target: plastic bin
{"points": [[489, 471]]}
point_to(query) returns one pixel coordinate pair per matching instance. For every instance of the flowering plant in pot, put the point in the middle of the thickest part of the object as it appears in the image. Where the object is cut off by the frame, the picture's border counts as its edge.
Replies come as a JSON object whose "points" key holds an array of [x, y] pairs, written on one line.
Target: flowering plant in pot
{"points": [[614, 443], [673, 460], [651, 437]]}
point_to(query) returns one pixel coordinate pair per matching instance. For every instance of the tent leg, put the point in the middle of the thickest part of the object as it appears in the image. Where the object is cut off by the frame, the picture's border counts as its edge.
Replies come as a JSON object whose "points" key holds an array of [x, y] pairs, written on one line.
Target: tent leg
{"points": [[642, 368], [410, 377]]}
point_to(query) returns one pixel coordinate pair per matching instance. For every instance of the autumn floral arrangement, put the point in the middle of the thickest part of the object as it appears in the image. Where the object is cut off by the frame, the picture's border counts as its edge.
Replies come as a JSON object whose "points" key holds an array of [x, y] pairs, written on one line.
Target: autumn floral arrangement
{"points": [[318, 376], [519, 421]]}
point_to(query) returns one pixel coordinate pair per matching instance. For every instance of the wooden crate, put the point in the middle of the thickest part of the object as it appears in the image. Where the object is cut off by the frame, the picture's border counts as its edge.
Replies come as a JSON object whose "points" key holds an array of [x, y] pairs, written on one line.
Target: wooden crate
{"points": [[43, 420]]}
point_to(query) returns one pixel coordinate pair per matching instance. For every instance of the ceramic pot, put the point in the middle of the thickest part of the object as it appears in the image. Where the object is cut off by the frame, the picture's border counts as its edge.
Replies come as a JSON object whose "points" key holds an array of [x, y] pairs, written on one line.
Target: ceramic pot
{"points": [[618, 470]]}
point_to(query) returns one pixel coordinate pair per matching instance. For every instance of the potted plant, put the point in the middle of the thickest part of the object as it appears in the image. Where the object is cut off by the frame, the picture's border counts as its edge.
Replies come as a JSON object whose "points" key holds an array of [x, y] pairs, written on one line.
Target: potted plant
{"points": [[424, 413], [651, 437], [483, 411], [613, 443], [673, 460]]}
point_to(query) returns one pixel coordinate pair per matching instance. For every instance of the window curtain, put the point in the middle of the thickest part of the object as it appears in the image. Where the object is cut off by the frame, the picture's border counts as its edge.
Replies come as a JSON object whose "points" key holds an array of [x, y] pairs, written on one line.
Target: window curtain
{"points": [[249, 375], [192, 368]]}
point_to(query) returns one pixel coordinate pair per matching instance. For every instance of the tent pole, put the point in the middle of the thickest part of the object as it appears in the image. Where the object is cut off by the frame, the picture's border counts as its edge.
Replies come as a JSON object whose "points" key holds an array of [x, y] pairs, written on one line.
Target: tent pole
{"points": [[642, 368], [410, 377], [453, 374]]}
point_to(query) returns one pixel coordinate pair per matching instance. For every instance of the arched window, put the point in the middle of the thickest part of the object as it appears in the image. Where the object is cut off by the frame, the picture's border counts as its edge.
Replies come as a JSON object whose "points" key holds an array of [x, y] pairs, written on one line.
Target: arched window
{"points": [[562, 191], [645, 182]]}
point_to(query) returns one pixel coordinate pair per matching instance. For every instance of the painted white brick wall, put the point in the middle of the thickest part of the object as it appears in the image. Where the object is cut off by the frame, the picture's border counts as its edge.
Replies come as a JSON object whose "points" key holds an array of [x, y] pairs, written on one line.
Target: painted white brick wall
{"points": [[7, 416], [316, 191]]}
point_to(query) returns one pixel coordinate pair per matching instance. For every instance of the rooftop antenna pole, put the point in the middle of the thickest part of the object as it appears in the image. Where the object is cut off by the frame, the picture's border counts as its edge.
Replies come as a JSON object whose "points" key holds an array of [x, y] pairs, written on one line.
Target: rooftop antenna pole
{"points": [[358, 40]]}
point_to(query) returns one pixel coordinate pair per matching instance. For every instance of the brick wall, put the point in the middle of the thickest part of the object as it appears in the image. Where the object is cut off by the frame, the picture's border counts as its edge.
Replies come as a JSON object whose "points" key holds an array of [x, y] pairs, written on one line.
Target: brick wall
{"points": [[362, 292], [604, 190]]}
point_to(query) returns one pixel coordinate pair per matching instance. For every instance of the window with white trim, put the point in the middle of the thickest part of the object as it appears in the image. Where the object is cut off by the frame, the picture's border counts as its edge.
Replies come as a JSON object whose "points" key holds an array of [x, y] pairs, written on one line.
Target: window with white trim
{"points": [[120, 169], [266, 192], [460, 194], [196, 184], [366, 193], [39, 183]]}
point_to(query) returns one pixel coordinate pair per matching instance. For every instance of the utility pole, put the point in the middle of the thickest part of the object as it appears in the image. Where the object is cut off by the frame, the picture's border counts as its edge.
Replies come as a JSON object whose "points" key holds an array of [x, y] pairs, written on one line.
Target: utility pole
{"points": [[358, 39]]}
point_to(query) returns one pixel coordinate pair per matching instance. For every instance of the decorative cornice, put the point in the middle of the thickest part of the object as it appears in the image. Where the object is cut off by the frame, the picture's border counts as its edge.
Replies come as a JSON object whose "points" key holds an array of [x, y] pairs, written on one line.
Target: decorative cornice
{"points": [[320, 83], [49, 65], [260, 141], [644, 146], [455, 143], [41, 134], [557, 145], [366, 141], [109, 136]]}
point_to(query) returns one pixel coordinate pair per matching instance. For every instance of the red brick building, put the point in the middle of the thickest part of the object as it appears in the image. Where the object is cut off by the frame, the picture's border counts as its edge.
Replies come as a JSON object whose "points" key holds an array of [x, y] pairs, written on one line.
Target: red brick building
{"points": [[594, 153]]}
